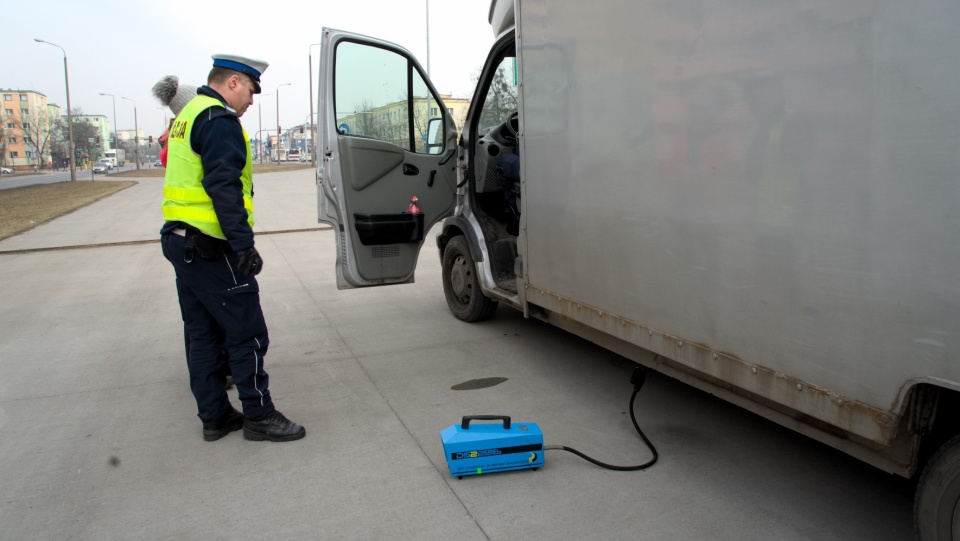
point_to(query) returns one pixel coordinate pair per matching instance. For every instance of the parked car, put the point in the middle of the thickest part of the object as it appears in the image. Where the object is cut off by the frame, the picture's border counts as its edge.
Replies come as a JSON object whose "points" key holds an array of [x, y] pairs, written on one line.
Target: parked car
{"points": [[101, 167], [158, 163], [6, 171]]}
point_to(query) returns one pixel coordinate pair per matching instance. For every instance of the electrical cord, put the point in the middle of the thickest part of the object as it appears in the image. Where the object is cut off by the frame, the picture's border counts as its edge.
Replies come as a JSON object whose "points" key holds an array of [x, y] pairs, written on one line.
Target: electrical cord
{"points": [[638, 377]]}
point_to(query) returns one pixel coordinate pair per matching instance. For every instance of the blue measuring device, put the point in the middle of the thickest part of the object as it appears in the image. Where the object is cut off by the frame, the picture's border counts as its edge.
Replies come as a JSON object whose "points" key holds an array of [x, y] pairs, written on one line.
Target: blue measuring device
{"points": [[486, 448]]}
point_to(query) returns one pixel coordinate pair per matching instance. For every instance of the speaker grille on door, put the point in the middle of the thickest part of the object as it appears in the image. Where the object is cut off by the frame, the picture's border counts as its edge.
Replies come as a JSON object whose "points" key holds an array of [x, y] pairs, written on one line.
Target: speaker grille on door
{"points": [[391, 250]]}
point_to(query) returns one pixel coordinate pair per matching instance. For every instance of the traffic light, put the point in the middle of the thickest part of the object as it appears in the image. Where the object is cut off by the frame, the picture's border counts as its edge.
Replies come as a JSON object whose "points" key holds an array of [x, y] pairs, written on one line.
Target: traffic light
{"points": [[301, 128], [150, 139]]}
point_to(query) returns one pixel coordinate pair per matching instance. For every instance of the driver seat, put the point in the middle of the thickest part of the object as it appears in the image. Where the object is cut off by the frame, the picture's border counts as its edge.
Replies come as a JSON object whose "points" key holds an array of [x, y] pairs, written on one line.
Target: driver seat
{"points": [[508, 172]]}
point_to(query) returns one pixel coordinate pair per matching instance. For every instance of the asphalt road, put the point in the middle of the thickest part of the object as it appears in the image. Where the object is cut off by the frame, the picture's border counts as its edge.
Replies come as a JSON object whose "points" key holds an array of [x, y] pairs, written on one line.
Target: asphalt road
{"points": [[100, 438], [19, 178]]}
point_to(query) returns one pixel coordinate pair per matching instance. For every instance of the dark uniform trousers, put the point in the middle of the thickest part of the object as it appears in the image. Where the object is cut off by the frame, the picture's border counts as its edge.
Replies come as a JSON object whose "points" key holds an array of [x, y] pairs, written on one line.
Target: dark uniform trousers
{"points": [[221, 309]]}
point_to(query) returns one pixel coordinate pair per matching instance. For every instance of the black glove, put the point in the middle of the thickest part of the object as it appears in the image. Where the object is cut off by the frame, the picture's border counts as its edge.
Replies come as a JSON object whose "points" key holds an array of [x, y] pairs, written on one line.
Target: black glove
{"points": [[249, 261]]}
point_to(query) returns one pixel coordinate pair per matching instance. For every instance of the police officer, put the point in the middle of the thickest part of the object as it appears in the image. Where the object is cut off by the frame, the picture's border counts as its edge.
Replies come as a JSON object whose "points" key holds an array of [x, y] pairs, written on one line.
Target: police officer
{"points": [[208, 238]]}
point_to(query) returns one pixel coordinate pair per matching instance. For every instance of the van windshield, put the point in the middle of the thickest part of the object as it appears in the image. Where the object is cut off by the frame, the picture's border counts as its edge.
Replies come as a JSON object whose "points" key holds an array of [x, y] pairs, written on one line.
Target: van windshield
{"points": [[501, 98]]}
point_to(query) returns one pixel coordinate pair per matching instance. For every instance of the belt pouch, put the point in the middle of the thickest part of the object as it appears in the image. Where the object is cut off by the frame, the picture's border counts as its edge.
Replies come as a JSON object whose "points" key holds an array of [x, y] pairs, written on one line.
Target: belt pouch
{"points": [[208, 247]]}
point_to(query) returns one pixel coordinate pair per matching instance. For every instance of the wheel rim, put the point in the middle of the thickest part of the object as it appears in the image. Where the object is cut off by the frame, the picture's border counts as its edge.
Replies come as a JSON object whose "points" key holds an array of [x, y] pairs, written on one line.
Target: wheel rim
{"points": [[460, 279]]}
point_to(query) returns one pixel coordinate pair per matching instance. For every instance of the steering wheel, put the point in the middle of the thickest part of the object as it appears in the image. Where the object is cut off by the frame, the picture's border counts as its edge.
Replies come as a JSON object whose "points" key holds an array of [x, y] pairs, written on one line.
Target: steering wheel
{"points": [[513, 124]]}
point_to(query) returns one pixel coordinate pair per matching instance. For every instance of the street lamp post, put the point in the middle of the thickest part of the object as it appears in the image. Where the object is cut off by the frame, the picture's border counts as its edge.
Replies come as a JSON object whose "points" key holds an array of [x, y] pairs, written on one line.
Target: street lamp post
{"points": [[115, 146], [313, 135], [260, 122], [278, 119], [428, 38], [66, 77], [136, 131]]}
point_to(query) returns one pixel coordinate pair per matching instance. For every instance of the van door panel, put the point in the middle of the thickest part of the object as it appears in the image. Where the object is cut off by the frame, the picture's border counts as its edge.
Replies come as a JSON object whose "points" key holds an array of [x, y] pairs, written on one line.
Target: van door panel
{"points": [[366, 161], [381, 147]]}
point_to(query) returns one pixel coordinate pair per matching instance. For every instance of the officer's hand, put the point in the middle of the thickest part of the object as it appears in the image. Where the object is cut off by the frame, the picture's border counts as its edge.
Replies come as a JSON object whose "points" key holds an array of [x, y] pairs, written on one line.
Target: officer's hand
{"points": [[249, 261]]}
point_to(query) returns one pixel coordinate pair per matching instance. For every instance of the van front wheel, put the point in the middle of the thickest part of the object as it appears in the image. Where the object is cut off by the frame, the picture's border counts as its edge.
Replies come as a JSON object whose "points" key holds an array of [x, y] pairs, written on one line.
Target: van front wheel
{"points": [[937, 513], [460, 284]]}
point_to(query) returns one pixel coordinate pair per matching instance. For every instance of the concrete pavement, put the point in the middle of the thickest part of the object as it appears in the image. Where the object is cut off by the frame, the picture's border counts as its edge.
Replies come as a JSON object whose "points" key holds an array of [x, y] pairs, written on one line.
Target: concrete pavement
{"points": [[100, 438]]}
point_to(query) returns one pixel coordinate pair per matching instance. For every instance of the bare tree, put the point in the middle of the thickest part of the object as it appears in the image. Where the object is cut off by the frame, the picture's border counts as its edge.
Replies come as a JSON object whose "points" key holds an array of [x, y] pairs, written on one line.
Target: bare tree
{"points": [[371, 121], [86, 137], [501, 100], [36, 130], [421, 120], [129, 147], [59, 153], [6, 128], [391, 122]]}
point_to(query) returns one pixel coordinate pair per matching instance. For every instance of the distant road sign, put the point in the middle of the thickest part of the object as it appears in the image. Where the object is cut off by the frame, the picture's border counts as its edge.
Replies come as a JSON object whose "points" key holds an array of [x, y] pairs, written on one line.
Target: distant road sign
{"points": [[343, 128]]}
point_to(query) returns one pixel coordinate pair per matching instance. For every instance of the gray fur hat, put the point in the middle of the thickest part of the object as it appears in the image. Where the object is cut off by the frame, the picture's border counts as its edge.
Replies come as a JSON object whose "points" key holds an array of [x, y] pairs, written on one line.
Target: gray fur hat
{"points": [[173, 94]]}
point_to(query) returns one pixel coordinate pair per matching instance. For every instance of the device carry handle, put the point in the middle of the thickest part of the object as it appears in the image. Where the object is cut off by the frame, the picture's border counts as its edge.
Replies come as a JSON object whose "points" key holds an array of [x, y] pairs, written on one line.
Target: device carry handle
{"points": [[467, 418]]}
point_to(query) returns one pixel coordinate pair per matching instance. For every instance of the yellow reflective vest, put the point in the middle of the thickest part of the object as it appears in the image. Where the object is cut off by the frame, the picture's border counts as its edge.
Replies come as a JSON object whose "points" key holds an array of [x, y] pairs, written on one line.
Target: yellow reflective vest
{"points": [[184, 199]]}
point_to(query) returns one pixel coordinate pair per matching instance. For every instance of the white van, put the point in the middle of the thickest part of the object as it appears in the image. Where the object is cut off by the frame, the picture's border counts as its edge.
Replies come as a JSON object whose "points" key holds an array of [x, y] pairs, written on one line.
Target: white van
{"points": [[759, 200]]}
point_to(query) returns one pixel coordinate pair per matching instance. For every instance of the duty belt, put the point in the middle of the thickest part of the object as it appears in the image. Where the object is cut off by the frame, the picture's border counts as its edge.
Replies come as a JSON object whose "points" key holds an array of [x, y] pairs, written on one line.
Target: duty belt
{"points": [[205, 246]]}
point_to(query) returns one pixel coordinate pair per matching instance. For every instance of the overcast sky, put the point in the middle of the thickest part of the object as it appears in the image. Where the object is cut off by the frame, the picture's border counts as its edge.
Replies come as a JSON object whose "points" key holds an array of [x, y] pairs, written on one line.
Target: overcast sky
{"points": [[123, 48]]}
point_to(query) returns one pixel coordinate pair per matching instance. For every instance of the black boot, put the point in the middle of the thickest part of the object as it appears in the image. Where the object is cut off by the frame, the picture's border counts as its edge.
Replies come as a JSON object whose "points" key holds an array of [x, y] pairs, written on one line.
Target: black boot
{"points": [[272, 427], [218, 429]]}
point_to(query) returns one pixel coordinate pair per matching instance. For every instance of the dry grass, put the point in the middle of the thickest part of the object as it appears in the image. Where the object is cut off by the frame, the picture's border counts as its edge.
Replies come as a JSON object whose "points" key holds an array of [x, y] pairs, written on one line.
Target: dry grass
{"points": [[24, 208], [27, 207]]}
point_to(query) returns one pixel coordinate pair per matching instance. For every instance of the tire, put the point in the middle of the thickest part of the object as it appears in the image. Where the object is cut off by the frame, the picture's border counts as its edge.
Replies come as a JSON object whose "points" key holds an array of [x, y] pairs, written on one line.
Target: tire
{"points": [[460, 284], [937, 511]]}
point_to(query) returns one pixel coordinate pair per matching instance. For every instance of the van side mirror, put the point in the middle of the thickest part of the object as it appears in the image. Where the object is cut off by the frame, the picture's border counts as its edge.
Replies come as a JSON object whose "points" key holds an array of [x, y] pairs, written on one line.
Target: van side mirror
{"points": [[435, 136]]}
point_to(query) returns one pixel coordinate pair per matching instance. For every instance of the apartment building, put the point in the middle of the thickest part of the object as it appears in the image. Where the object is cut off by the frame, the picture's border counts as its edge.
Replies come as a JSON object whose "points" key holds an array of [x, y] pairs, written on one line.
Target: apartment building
{"points": [[130, 135], [28, 129], [388, 122]]}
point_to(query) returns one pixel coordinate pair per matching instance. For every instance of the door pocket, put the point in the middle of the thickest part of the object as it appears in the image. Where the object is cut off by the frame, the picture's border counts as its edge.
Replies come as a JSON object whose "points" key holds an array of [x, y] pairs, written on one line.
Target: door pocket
{"points": [[379, 229]]}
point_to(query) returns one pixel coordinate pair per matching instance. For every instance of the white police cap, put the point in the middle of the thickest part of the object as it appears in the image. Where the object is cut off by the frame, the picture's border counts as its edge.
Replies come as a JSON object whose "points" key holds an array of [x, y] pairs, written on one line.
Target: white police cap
{"points": [[249, 66]]}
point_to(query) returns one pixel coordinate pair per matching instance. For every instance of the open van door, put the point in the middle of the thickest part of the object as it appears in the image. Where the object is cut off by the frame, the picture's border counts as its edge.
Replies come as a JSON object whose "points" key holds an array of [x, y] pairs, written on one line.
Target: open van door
{"points": [[385, 138]]}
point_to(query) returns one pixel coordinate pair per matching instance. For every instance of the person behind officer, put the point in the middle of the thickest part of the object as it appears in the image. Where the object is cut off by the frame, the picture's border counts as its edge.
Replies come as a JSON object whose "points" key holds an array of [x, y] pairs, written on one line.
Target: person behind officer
{"points": [[208, 238]]}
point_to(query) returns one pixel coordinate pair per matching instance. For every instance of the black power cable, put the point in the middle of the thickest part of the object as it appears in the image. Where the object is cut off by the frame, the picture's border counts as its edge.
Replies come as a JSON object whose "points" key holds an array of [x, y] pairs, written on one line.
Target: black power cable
{"points": [[637, 379]]}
